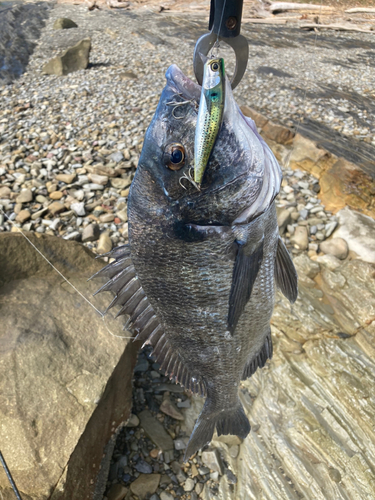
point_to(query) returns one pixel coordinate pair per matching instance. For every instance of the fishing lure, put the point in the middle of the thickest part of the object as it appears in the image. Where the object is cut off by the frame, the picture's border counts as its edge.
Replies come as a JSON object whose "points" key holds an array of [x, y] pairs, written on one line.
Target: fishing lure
{"points": [[210, 114]]}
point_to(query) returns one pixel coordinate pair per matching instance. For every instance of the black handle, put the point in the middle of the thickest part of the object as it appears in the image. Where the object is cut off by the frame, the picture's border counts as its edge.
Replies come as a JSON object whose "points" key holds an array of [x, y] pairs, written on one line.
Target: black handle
{"points": [[225, 17]]}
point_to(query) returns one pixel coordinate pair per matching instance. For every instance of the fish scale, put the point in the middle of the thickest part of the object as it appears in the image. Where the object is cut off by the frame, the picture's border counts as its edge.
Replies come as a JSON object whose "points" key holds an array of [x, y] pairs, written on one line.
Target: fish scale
{"points": [[204, 262]]}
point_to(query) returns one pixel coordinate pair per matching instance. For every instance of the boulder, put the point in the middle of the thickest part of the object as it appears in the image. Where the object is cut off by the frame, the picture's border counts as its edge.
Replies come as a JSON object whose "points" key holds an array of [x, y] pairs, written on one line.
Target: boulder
{"points": [[358, 231], [345, 184], [73, 59], [63, 23], [65, 378]]}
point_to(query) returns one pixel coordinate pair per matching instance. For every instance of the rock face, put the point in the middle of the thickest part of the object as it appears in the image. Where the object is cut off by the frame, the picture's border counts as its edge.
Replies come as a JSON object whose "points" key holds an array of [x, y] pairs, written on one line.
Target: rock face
{"points": [[346, 184], [65, 381], [311, 408], [358, 230], [73, 59]]}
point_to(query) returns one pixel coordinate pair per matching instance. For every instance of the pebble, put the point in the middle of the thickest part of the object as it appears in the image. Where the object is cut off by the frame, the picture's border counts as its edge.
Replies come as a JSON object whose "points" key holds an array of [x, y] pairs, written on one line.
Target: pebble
{"points": [[56, 208], [25, 196], [133, 421], [166, 496], [145, 485], [336, 247], [170, 409], [234, 450], [23, 216], [300, 238], [117, 492], [78, 208], [144, 467], [67, 178], [212, 459], [90, 233], [104, 243], [189, 484], [56, 195]]}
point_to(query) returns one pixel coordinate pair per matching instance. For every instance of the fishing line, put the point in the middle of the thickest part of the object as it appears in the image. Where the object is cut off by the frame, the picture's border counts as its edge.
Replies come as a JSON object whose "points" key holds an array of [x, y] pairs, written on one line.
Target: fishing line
{"points": [[10, 478], [305, 93], [64, 278]]}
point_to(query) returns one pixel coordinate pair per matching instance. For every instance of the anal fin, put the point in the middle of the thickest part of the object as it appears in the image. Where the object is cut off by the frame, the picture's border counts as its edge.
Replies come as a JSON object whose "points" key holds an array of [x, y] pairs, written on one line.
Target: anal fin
{"points": [[259, 360], [285, 273]]}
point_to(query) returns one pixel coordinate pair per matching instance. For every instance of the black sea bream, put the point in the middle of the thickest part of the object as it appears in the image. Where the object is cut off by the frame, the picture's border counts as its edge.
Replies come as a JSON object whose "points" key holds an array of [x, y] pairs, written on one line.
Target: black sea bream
{"points": [[199, 274]]}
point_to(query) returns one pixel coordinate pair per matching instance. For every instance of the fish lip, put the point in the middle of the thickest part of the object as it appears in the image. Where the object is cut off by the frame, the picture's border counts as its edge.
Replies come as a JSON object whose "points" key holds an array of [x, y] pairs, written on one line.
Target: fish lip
{"points": [[182, 83]]}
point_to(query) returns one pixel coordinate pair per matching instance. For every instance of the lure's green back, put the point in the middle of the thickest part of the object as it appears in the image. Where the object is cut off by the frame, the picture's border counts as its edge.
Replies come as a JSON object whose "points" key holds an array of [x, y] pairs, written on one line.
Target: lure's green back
{"points": [[210, 114]]}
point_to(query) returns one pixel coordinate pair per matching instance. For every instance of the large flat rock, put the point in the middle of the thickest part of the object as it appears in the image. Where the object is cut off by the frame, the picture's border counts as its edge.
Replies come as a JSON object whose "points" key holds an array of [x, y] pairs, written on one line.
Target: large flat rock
{"points": [[65, 380]]}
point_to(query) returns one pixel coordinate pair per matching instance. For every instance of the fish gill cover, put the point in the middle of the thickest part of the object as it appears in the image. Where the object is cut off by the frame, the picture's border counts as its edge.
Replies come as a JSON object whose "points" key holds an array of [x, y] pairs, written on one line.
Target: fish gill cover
{"points": [[199, 274]]}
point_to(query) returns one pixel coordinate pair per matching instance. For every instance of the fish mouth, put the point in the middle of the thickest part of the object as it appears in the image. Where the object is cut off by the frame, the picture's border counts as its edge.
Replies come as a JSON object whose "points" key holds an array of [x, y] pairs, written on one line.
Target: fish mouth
{"points": [[182, 83]]}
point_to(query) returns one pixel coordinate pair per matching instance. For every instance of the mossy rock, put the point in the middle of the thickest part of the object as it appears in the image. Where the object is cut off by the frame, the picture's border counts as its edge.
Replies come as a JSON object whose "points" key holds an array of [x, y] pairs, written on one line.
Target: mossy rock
{"points": [[63, 23]]}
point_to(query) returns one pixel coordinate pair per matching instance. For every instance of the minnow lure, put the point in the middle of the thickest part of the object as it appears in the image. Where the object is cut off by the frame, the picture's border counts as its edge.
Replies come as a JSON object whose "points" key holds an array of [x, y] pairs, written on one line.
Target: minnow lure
{"points": [[210, 114]]}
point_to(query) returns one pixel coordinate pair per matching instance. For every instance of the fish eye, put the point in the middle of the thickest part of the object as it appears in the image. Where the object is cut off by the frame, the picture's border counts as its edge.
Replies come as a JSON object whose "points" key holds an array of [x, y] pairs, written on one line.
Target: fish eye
{"points": [[214, 66], [174, 156]]}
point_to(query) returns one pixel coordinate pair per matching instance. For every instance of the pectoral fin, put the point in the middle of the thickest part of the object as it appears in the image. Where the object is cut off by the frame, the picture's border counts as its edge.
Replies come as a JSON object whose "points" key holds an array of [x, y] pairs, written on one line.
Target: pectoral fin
{"points": [[245, 272], [285, 273]]}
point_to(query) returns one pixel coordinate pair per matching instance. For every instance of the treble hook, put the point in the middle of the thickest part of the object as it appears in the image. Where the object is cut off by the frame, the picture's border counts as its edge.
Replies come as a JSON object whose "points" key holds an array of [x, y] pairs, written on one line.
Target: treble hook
{"points": [[189, 177], [177, 104]]}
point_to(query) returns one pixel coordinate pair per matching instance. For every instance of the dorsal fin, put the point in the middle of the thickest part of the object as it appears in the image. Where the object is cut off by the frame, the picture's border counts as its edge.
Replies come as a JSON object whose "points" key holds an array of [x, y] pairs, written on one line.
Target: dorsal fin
{"points": [[143, 320]]}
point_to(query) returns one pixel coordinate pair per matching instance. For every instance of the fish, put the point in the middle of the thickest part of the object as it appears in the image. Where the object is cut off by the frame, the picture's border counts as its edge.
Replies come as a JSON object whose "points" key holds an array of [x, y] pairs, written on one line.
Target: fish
{"points": [[210, 114], [199, 275]]}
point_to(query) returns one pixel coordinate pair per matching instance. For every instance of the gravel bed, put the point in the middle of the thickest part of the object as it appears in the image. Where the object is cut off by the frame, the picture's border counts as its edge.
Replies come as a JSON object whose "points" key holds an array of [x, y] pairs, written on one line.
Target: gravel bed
{"points": [[70, 145]]}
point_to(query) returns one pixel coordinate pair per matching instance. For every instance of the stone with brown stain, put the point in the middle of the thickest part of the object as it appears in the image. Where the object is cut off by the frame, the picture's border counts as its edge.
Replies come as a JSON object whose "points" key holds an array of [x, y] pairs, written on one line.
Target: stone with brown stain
{"points": [[345, 184], [307, 155]]}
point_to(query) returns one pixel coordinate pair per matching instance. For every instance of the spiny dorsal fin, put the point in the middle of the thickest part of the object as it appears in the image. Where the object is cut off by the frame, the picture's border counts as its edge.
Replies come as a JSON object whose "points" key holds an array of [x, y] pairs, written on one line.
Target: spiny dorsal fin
{"points": [[285, 273]]}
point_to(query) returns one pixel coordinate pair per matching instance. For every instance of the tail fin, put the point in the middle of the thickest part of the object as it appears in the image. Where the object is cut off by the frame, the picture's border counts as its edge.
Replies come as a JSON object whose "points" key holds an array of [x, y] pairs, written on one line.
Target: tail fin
{"points": [[233, 421]]}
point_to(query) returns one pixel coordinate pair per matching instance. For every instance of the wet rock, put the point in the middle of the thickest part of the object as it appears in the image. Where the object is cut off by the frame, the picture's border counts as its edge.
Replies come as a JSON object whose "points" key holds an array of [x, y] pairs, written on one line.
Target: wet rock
{"points": [[72, 59], [63, 23], [145, 485], [117, 492], [358, 231], [180, 443], [25, 196], [104, 243], [211, 458], [170, 409], [90, 233], [337, 247], [300, 238], [155, 431]]}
